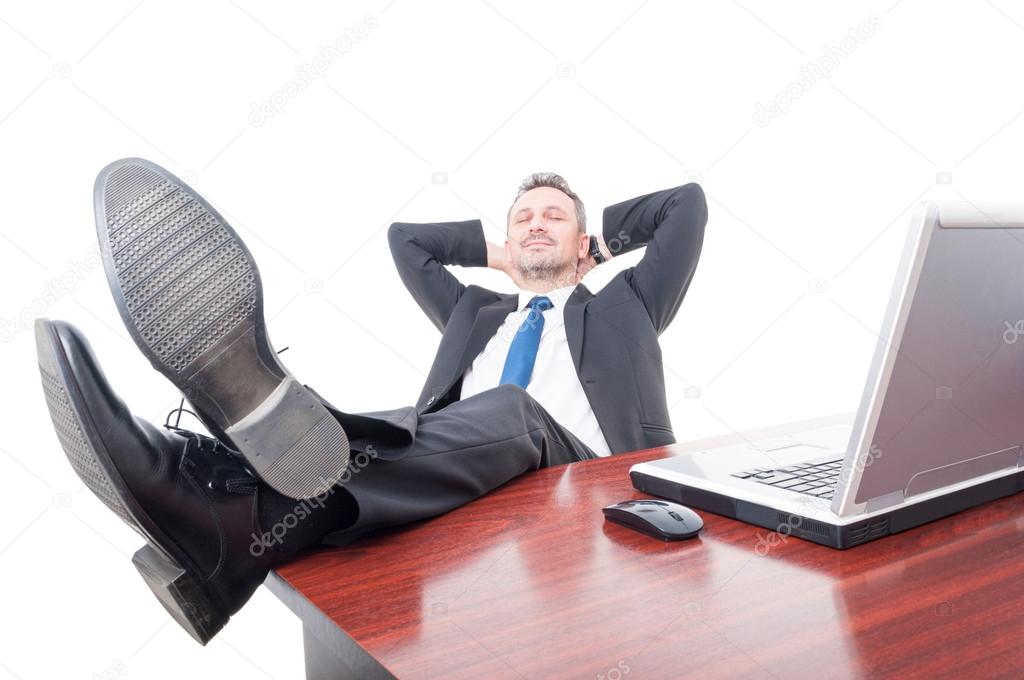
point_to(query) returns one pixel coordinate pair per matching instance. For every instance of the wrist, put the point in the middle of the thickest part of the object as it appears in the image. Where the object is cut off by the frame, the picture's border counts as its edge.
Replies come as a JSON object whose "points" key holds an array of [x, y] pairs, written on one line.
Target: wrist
{"points": [[496, 257], [599, 252]]}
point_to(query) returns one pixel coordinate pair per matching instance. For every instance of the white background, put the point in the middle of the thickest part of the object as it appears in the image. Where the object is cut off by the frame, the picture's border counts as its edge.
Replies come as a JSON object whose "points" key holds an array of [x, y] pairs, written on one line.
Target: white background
{"points": [[808, 210]]}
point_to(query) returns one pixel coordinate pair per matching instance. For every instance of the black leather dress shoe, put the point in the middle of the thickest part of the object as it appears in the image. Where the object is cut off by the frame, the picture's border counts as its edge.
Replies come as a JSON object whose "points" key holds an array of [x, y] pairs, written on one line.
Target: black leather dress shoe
{"points": [[190, 294], [192, 499]]}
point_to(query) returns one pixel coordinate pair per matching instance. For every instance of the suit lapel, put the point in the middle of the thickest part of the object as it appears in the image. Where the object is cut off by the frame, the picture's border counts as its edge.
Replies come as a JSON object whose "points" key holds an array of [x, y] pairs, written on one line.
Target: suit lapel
{"points": [[574, 308], [488, 319]]}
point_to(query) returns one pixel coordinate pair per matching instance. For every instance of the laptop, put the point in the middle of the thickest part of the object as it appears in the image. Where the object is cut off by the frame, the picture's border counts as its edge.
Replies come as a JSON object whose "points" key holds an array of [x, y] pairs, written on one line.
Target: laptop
{"points": [[940, 426]]}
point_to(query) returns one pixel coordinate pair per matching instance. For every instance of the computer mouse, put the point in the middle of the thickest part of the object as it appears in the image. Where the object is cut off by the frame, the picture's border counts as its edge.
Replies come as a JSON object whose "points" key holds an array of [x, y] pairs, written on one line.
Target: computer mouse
{"points": [[662, 519]]}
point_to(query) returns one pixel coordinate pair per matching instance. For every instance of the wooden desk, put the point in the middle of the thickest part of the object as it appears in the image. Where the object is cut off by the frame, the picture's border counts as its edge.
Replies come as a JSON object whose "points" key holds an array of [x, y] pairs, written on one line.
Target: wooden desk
{"points": [[530, 582]]}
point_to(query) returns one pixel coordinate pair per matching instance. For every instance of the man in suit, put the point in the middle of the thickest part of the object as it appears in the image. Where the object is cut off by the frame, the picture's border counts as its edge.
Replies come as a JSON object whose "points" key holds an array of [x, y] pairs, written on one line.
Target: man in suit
{"points": [[609, 388], [549, 375]]}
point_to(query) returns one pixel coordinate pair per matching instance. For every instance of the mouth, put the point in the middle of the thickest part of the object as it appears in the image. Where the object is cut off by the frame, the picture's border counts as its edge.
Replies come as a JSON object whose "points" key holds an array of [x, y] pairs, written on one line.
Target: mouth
{"points": [[529, 244]]}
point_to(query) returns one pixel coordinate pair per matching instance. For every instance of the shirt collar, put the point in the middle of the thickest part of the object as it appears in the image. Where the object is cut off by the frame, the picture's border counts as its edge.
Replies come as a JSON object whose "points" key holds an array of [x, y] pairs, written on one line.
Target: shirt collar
{"points": [[557, 296]]}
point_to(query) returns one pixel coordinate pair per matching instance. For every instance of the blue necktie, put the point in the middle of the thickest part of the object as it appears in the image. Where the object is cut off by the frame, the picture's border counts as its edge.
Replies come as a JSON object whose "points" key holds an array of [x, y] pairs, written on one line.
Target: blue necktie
{"points": [[523, 352]]}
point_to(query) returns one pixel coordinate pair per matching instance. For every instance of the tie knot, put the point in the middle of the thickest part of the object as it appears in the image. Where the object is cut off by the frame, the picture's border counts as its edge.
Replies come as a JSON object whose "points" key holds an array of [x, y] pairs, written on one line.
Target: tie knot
{"points": [[541, 303]]}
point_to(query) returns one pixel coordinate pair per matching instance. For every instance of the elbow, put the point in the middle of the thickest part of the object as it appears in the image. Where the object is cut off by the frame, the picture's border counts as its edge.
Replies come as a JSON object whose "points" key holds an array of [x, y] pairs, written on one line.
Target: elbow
{"points": [[396, 230], [397, 235], [692, 191], [692, 196]]}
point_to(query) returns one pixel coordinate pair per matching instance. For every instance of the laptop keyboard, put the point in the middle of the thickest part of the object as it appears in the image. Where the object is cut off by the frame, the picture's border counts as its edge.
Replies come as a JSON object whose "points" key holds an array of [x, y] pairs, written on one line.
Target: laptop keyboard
{"points": [[817, 478]]}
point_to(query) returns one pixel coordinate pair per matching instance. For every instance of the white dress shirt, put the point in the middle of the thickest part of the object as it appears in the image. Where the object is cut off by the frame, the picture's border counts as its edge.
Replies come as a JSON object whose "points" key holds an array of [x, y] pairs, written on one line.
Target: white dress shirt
{"points": [[554, 382]]}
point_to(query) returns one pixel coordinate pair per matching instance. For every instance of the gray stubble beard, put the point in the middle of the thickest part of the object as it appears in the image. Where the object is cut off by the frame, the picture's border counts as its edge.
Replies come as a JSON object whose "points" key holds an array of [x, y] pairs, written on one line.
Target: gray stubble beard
{"points": [[562, 274]]}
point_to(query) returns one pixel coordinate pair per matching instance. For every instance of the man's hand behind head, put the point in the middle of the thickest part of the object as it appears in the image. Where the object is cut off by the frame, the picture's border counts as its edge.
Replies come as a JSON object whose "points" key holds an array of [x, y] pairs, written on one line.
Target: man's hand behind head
{"points": [[497, 259]]}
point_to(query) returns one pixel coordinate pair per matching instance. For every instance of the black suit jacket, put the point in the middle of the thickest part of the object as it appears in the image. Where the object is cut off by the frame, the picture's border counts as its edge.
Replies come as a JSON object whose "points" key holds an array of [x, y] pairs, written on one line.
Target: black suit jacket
{"points": [[613, 335]]}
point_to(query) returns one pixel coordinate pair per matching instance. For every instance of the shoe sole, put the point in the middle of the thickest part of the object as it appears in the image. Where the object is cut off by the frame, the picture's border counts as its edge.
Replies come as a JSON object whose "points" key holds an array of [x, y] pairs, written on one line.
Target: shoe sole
{"points": [[189, 292], [179, 590]]}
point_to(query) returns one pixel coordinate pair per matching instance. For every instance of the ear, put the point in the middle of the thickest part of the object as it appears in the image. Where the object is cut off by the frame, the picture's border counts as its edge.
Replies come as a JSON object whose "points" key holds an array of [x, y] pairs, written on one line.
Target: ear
{"points": [[584, 246], [508, 251]]}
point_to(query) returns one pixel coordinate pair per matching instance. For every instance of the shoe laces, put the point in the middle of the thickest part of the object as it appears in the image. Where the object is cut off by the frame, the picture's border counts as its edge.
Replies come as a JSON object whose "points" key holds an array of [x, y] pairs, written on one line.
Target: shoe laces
{"points": [[202, 441], [244, 482], [177, 422]]}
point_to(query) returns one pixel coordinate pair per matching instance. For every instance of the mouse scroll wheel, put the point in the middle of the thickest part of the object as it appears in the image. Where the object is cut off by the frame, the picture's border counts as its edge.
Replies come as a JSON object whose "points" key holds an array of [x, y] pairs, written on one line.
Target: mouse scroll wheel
{"points": [[675, 515]]}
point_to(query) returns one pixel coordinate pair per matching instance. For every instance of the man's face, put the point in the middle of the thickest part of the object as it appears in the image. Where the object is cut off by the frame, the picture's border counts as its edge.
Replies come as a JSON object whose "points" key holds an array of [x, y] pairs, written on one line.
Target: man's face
{"points": [[544, 239]]}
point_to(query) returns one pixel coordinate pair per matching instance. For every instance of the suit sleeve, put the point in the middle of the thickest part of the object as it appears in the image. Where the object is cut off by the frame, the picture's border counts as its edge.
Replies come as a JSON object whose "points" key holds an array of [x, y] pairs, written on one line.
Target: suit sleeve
{"points": [[671, 224], [421, 252]]}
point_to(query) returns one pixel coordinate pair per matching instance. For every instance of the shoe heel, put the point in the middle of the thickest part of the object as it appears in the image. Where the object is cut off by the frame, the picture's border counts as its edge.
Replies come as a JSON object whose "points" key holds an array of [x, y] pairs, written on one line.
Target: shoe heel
{"points": [[180, 594], [293, 442]]}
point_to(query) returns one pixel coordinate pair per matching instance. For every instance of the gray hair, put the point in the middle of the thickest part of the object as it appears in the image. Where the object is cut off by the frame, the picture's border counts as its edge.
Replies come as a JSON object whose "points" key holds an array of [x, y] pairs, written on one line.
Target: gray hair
{"points": [[550, 179]]}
